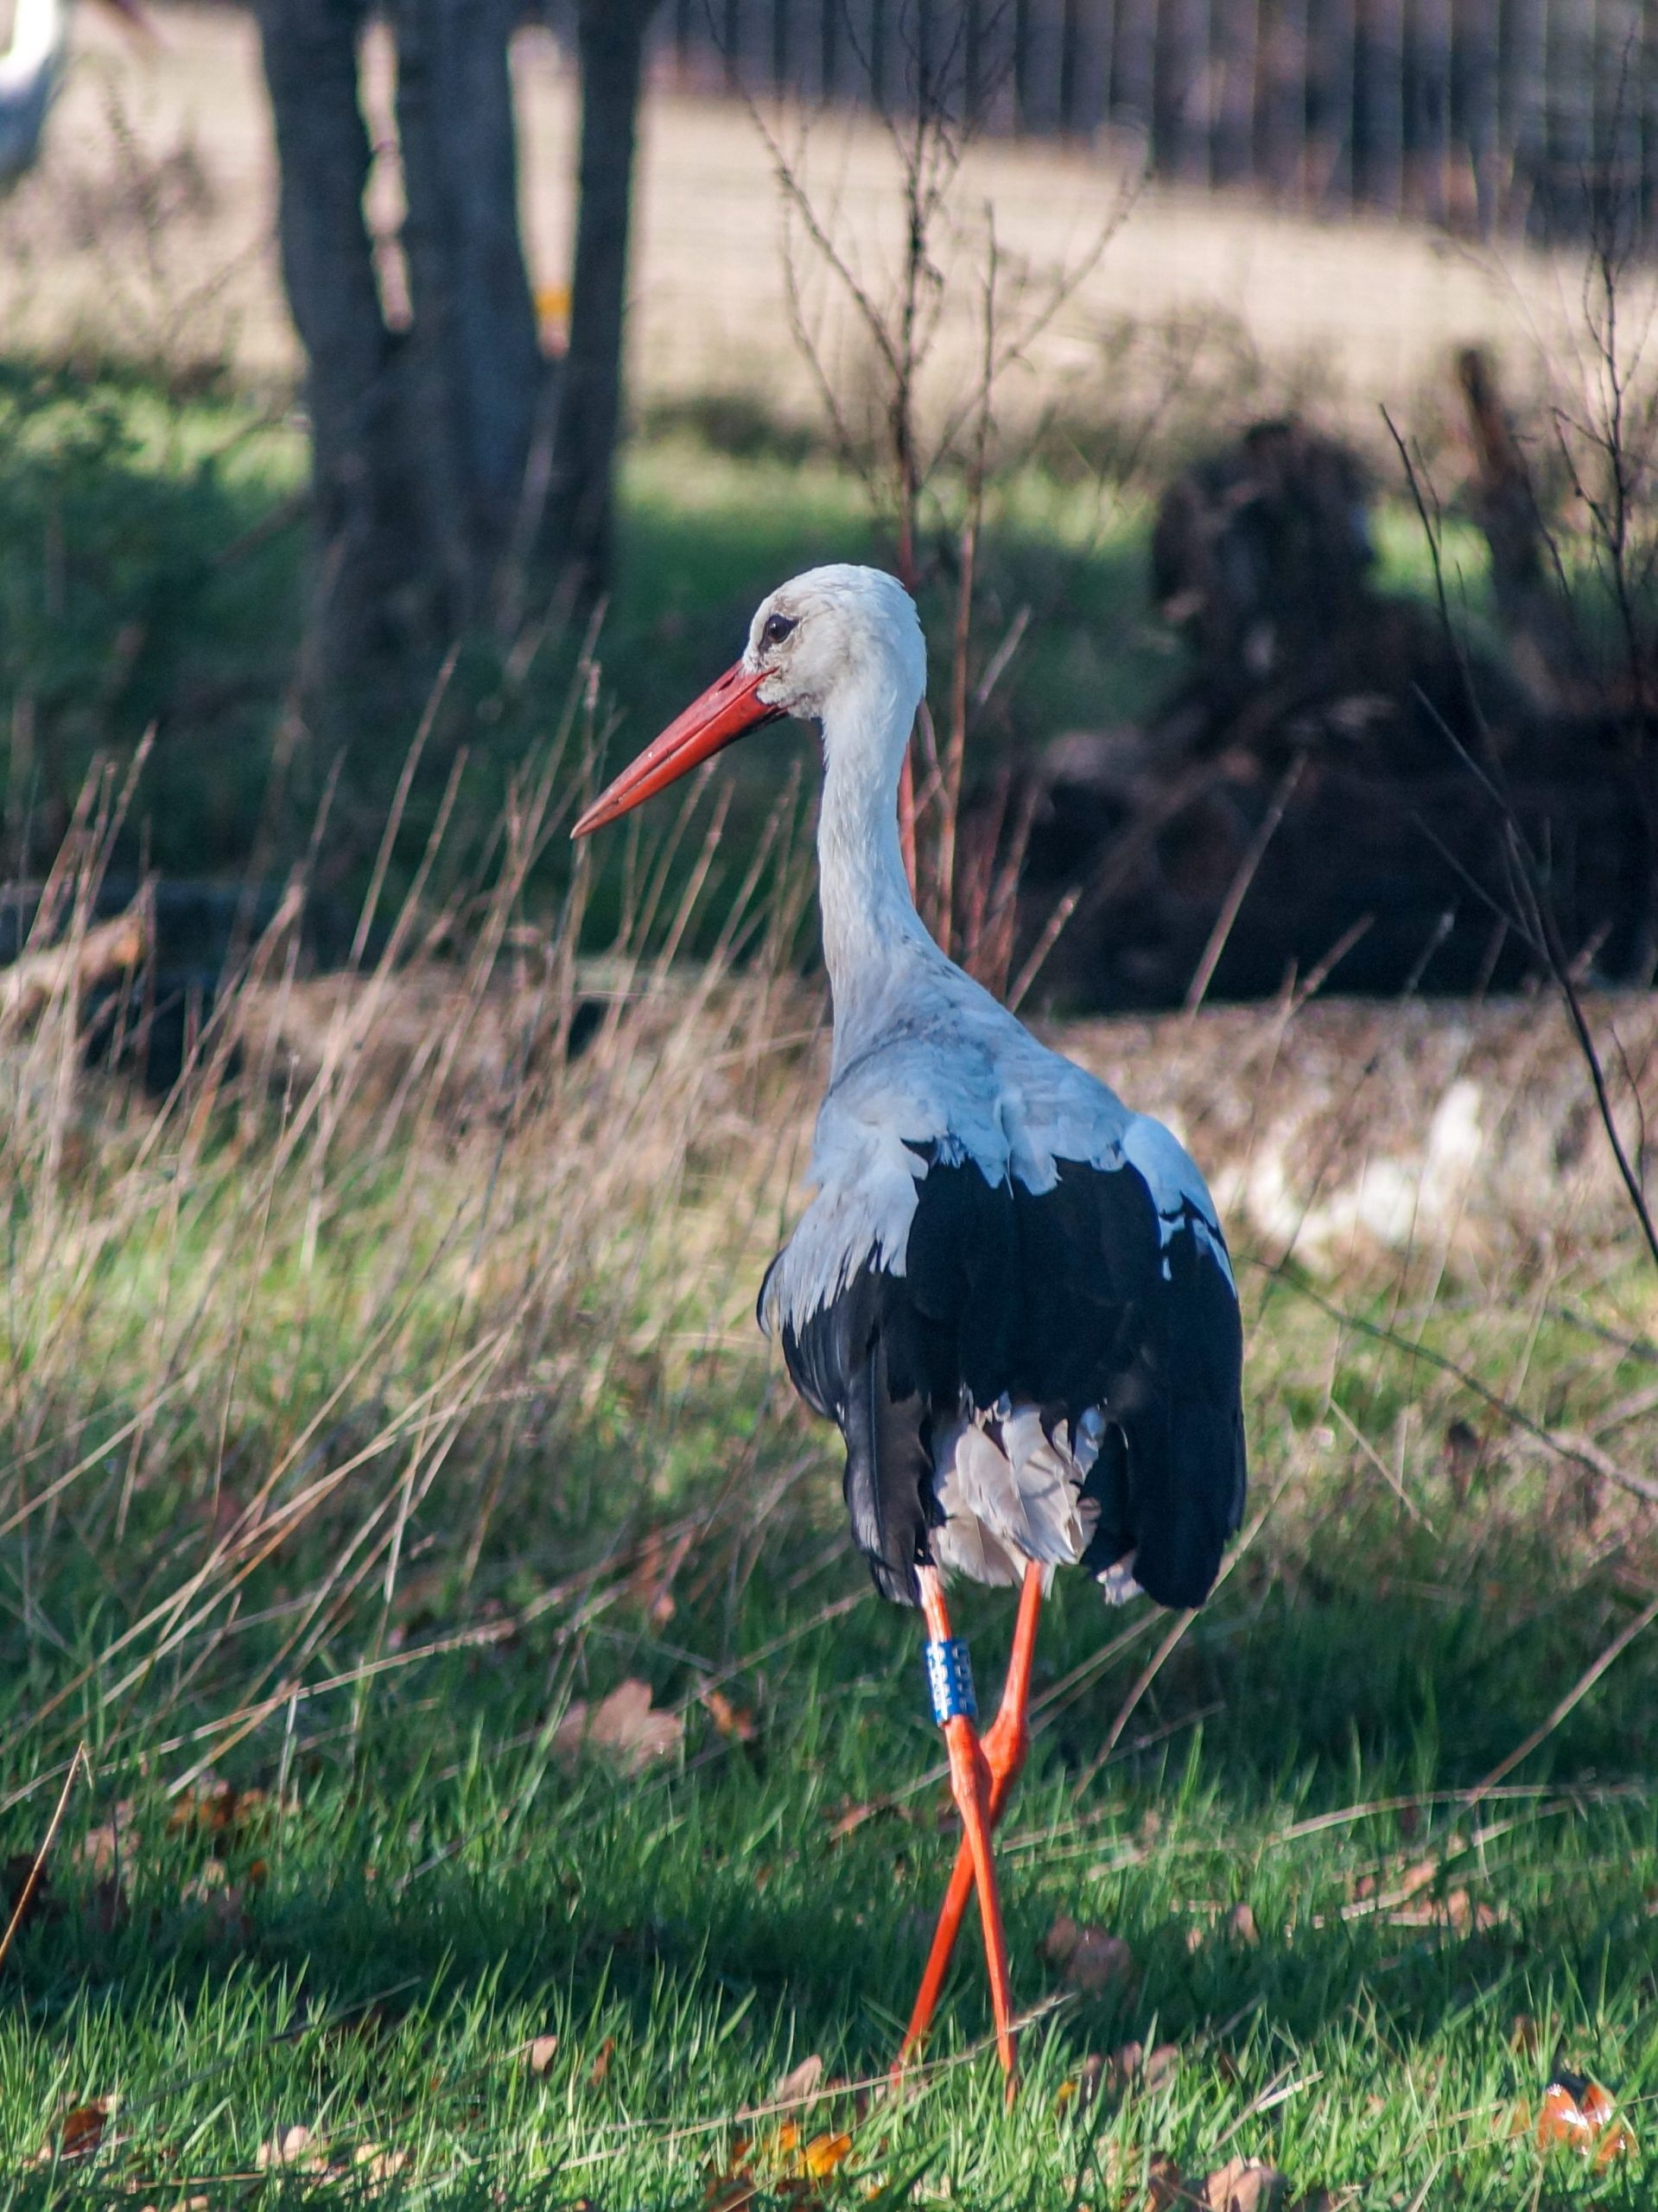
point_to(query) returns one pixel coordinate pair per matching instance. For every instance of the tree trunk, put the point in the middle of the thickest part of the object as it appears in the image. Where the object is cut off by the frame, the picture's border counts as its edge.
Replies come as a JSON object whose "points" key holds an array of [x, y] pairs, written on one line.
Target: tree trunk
{"points": [[422, 442], [362, 485], [477, 366], [580, 527]]}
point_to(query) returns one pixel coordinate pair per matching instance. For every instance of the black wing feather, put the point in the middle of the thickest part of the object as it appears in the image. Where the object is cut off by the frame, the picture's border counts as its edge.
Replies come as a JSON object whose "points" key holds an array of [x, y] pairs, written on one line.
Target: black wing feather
{"points": [[1064, 1299]]}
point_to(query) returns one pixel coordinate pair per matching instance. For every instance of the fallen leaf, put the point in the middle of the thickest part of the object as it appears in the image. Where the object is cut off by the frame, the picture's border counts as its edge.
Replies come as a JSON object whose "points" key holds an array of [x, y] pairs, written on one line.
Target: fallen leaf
{"points": [[539, 2055], [1242, 1922], [734, 1722], [104, 1847], [653, 1579], [376, 2163], [625, 1722], [824, 2154], [214, 1807], [299, 2148], [81, 2129], [1166, 2185], [800, 2083], [1580, 2114], [1090, 1959], [601, 2072], [852, 1817], [1242, 2185]]}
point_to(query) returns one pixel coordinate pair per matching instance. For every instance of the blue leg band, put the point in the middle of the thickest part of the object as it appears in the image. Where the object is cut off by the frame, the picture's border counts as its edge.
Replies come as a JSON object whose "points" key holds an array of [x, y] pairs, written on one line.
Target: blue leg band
{"points": [[949, 1679]]}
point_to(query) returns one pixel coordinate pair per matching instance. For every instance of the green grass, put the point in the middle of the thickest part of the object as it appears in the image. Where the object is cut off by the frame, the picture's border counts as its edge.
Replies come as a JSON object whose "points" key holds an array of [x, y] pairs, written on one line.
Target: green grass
{"points": [[360, 1413], [153, 576], [348, 1449]]}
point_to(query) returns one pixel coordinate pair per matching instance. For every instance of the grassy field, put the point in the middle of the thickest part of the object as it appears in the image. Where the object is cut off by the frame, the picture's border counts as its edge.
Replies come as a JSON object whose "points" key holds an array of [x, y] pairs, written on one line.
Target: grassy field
{"points": [[371, 1420], [152, 551]]}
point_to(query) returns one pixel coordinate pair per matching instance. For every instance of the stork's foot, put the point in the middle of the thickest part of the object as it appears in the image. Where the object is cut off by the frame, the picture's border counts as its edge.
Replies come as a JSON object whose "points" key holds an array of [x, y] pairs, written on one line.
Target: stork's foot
{"points": [[982, 1772]]}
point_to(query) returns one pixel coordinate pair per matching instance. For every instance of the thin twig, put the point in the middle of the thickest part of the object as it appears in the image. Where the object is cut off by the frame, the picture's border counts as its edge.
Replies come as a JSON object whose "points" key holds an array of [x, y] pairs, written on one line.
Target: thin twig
{"points": [[31, 1881]]}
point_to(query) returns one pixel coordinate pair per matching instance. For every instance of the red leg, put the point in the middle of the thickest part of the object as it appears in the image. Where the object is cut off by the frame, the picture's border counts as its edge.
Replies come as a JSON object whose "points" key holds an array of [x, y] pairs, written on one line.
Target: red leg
{"points": [[1001, 1755]]}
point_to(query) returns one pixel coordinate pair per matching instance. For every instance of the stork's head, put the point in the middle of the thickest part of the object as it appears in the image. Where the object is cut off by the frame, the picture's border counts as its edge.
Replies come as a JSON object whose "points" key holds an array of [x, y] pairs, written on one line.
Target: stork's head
{"points": [[839, 645]]}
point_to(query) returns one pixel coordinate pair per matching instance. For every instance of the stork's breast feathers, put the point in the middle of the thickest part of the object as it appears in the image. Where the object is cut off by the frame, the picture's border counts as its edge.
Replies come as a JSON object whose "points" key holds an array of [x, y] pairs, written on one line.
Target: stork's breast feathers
{"points": [[909, 1311]]}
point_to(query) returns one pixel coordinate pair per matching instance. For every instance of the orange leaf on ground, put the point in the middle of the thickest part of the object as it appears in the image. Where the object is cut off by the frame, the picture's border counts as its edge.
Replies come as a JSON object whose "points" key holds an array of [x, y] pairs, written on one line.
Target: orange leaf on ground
{"points": [[824, 2154], [734, 1722], [1580, 2114], [600, 2073]]}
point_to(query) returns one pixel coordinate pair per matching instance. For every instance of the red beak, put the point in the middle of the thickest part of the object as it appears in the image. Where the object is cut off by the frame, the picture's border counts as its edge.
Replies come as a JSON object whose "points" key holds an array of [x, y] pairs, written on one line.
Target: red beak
{"points": [[726, 711]]}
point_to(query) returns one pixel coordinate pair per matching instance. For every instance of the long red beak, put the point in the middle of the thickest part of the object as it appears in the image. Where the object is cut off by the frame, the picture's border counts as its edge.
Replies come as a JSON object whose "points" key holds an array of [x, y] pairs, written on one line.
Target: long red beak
{"points": [[726, 711]]}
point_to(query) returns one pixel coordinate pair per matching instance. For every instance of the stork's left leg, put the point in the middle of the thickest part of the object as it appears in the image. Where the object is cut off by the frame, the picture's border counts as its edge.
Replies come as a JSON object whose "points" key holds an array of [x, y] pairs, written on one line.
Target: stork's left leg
{"points": [[982, 1778], [1004, 1746]]}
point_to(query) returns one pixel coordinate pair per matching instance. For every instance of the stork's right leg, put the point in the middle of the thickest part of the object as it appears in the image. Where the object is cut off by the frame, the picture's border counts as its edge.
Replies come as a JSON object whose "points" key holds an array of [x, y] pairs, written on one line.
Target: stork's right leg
{"points": [[1003, 1748]]}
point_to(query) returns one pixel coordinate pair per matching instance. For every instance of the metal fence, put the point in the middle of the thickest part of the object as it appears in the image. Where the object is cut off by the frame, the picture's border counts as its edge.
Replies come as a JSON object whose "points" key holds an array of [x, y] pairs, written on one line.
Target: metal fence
{"points": [[1483, 114]]}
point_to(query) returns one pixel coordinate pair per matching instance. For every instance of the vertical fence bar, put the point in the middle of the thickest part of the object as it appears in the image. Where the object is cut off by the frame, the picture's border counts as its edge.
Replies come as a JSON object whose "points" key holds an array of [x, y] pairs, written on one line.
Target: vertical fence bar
{"points": [[1474, 114], [1430, 113], [1521, 77], [1384, 104], [1237, 46], [1331, 103]]}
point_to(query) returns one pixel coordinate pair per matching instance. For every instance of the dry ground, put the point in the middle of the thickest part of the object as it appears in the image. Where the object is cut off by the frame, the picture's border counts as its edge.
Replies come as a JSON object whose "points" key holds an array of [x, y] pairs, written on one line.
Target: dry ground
{"points": [[150, 225]]}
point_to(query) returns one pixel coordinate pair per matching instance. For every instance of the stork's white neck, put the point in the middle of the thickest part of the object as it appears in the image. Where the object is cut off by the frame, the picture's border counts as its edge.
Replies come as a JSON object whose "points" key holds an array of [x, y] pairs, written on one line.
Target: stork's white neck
{"points": [[872, 933]]}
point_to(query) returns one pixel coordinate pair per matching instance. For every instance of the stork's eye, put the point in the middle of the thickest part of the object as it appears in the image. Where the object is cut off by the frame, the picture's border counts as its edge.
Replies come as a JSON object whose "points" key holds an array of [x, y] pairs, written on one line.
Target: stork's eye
{"points": [[778, 627]]}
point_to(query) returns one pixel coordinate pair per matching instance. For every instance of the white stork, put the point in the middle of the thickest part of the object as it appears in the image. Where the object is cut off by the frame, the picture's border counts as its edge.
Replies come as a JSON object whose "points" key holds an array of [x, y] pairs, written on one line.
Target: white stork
{"points": [[1011, 1293]]}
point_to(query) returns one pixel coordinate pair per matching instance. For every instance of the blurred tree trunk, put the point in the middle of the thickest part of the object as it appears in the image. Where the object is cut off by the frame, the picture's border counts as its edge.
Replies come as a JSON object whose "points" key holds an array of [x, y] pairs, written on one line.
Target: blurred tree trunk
{"points": [[476, 366], [362, 480], [611, 42], [422, 441]]}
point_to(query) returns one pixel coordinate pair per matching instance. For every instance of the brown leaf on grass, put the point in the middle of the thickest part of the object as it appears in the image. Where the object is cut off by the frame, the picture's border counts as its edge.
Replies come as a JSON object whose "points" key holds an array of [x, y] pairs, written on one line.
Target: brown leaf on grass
{"points": [[734, 1722], [625, 1723], [539, 2053], [1243, 2185], [1166, 2185], [79, 2132], [106, 1847], [652, 1580], [1456, 1912], [852, 1817], [600, 2073], [1579, 2114], [800, 2084], [211, 1807], [375, 2163], [1241, 1923], [1089, 1959], [300, 2150]]}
